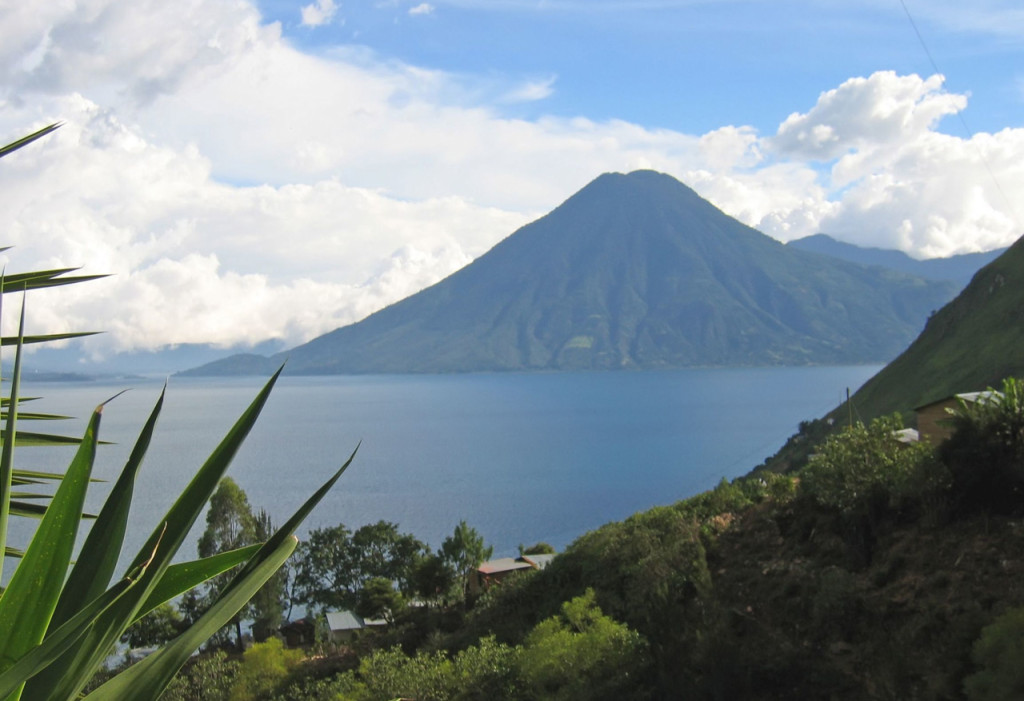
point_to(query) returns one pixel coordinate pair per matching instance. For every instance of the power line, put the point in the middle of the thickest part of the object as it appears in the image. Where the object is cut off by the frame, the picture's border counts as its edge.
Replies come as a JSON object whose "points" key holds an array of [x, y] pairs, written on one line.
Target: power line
{"points": [[960, 115]]}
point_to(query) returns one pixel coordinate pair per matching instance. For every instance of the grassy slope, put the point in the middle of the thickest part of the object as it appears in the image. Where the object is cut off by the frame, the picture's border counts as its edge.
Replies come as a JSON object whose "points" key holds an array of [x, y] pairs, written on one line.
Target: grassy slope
{"points": [[972, 343]]}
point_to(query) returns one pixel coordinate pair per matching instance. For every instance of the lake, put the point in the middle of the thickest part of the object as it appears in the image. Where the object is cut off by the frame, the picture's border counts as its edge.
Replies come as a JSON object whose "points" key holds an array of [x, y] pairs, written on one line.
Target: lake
{"points": [[521, 457]]}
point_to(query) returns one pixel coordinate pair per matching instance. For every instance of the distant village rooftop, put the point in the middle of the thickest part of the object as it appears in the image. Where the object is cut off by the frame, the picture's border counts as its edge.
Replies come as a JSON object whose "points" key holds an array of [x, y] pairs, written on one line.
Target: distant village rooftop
{"points": [[493, 571]]}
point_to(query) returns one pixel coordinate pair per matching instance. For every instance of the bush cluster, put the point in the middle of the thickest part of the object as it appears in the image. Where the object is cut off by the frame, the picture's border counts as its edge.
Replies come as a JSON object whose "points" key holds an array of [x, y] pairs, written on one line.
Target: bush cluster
{"points": [[985, 454]]}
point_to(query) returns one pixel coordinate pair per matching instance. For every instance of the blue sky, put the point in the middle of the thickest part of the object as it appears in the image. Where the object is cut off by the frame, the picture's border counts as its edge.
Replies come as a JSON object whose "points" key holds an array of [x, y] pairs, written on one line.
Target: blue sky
{"points": [[692, 66], [273, 170]]}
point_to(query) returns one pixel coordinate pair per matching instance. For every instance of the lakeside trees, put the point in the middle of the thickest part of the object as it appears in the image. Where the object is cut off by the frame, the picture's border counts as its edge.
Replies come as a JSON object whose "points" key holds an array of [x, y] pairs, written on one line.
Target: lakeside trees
{"points": [[334, 565], [758, 589], [464, 549]]}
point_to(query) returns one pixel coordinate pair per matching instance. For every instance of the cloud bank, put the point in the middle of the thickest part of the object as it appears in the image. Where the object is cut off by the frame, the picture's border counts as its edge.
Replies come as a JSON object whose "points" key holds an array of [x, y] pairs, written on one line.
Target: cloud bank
{"points": [[239, 189]]}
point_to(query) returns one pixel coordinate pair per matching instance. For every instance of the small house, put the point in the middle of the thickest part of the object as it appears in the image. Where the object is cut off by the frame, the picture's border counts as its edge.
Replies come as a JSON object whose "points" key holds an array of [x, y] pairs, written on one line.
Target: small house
{"points": [[345, 624], [933, 420], [300, 633], [493, 571]]}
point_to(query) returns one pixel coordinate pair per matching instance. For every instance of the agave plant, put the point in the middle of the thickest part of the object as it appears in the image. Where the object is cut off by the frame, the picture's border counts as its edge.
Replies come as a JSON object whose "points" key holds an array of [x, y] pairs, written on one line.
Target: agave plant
{"points": [[60, 620]]}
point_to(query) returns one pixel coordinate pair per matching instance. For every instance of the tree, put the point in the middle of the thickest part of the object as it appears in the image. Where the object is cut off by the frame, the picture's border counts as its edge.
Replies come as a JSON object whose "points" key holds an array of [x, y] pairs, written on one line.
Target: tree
{"points": [[335, 564], [382, 551], [323, 574], [465, 550], [433, 578], [229, 522], [582, 654], [541, 548], [268, 602], [229, 525], [378, 599]]}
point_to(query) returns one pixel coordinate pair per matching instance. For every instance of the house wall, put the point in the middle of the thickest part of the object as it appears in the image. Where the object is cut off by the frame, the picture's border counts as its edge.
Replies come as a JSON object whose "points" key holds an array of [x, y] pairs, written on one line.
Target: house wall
{"points": [[933, 421]]}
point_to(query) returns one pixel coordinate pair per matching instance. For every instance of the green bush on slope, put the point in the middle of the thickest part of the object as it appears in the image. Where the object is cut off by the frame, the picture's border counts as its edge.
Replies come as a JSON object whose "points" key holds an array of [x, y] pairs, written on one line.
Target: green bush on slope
{"points": [[999, 653], [985, 454]]}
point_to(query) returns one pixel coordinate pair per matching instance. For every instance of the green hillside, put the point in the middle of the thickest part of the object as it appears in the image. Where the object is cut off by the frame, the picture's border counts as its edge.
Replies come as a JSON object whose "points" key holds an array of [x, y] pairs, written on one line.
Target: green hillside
{"points": [[972, 343]]}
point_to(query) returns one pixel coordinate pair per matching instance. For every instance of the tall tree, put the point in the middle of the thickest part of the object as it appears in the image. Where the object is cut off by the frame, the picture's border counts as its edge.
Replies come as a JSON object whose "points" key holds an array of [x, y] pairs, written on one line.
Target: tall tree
{"points": [[230, 524], [335, 564], [268, 603], [433, 578], [378, 599], [381, 551], [324, 571], [465, 550]]}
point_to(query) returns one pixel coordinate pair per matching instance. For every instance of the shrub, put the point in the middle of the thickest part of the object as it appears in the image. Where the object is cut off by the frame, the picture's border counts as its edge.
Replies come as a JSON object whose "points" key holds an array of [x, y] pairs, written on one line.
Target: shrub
{"points": [[650, 572], [487, 670], [865, 469], [726, 497], [985, 454], [208, 677], [265, 667], [836, 603], [998, 654], [390, 674], [582, 654], [864, 478]]}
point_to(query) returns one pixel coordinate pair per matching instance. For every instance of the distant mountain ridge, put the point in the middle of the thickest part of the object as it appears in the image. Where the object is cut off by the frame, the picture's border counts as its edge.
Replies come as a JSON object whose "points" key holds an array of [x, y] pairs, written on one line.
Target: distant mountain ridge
{"points": [[633, 271], [959, 268]]}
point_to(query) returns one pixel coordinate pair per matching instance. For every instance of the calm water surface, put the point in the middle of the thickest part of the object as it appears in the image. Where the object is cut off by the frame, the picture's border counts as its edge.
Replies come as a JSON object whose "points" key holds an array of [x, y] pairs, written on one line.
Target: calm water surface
{"points": [[521, 457]]}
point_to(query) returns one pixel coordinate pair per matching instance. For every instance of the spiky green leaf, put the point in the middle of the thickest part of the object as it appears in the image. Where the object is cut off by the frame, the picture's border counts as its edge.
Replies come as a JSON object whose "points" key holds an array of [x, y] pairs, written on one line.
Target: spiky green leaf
{"points": [[25, 141], [68, 675], [99, 554]]}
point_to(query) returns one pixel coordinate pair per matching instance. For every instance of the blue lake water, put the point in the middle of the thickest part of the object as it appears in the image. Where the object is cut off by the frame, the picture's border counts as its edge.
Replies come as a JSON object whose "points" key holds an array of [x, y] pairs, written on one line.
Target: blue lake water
{"points": [[521, 457]]}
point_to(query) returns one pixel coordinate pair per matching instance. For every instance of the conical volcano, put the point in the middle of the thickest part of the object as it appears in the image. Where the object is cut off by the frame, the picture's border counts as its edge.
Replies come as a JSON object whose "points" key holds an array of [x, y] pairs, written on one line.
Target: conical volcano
{"points": [[633, 271]]}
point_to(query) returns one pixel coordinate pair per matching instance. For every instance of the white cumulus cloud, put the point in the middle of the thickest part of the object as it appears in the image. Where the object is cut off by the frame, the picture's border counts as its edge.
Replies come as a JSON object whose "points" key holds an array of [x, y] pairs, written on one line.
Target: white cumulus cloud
{"points": [[239, 189], [424, 8], [898, 182], [531, 91], [318, 13], [863, 112]]}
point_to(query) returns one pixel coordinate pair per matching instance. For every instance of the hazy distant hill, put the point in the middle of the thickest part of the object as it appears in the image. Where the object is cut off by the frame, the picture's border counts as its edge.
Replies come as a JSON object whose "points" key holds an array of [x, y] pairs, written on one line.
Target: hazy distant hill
{"points": [[972, 343], [633, 271], [74, 361], [959, 269]]}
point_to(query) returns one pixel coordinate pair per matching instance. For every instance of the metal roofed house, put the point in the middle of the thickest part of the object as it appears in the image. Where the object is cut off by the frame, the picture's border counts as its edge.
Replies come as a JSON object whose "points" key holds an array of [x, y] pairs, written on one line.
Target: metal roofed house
{"points": [[493, 571], [906, 435], [541, 561], [344, 624], [933, 419]]}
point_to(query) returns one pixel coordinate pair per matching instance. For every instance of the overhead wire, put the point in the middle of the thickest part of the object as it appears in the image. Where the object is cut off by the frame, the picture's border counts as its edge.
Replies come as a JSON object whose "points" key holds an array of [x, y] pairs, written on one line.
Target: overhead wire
{"points": [[1011, 209]]}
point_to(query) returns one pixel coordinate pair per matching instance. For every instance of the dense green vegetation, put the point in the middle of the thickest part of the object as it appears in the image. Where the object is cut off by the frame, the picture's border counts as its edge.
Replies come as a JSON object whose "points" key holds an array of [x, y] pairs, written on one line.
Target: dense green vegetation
{"points": [[866, 575]]}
